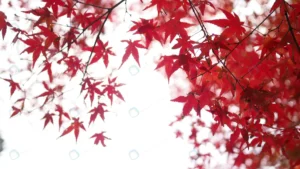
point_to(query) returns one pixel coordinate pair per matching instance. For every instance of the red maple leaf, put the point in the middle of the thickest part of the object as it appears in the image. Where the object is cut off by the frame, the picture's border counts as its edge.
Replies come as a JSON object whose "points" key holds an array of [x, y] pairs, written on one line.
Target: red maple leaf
{"points": [[163, 5], [44, 16], [15, 111], [99, 110], [61, 114], [18, 110], [73, 65], [148, 29], [101, 51], [3, 24], [131, 49], [111, 90], [232, 25], [35, 47], [100, 137], [202, 5], [49, 70], [190, 103], [70, 37], [13, 86], [48, 94], [178, 134], [48, 118], [51, 37], [54, 4], [91, 88], [174, 27], [277, 3], [76, 126]]}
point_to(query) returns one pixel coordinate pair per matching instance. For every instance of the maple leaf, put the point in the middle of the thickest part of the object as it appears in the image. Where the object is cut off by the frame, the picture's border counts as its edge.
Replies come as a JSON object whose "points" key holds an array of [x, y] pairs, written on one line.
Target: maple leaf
{"points": [[73, 65], [70, 37], [174, 62], [147, 28], [3, 24], [178, 134], [99, 137], [277, 4], [91, 88], [185, 45], [97, 110], [35, 48], [214, 43], [110, 89], [190, 103], [54, 5], [44, 16], [214, 127], [61, 114], [68, 9], [49, 70], [49, 93], [15, 111], [257, 98], [202, 5], [76, 126], [232, 24], [163, 5], [51, 37], [48, 118], [101, 51], [13, 85], [168, 63], [18, 110], [174, 27], [132, 49]]}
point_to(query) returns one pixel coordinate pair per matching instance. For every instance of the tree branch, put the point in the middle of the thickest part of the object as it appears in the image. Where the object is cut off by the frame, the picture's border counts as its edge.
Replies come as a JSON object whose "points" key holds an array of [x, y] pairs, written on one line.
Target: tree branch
{"points": [[98, 35], [291, 30], [96, 6], [198, 16]]}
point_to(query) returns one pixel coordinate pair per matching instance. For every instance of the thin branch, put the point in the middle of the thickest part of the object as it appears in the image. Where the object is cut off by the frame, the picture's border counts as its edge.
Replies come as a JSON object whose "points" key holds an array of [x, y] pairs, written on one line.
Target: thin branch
{"points": [[291, 30], [198, 16], [96, 6], [55, 23], [97, 38], [240, 42], [109, 11], [261, 60]]}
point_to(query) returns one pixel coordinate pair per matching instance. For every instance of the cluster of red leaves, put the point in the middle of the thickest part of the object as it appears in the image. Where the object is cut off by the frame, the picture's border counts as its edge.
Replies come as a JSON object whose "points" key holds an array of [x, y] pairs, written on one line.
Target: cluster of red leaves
{"points": [[248, 80]]}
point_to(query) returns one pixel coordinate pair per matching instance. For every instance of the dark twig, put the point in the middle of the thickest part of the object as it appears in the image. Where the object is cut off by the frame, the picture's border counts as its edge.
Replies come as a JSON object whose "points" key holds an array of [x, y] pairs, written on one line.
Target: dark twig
{"points": [[88, 4], [240, 42], [198, 16], [261, 60], [98, 35], [291, 30]]}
